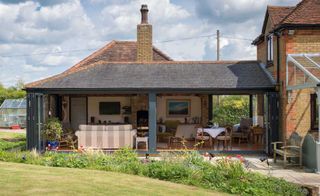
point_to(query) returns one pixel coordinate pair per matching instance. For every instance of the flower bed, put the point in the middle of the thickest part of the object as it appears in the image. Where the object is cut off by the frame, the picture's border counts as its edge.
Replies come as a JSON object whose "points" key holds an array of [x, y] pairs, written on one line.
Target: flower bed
{"points": [[189, 168]]}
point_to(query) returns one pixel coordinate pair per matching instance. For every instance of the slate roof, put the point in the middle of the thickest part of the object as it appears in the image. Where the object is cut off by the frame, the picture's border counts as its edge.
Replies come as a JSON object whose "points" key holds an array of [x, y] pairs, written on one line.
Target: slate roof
{"points": [[162, 75]]}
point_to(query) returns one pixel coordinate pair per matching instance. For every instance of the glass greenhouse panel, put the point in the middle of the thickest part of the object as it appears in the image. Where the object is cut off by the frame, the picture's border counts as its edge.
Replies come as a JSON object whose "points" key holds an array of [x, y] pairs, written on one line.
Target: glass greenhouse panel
{"points": [[13, 112]]}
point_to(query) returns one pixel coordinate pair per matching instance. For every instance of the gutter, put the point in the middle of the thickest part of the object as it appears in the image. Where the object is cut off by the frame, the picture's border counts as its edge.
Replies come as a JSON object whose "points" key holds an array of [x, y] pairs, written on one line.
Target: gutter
{"points": [[286, 26], [235, 90]]}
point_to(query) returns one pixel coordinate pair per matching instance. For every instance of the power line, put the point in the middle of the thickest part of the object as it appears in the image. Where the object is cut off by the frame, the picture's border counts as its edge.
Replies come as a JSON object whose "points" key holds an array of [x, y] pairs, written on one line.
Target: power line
{"points": [[92, 49], [186, 38], [237, 38]]}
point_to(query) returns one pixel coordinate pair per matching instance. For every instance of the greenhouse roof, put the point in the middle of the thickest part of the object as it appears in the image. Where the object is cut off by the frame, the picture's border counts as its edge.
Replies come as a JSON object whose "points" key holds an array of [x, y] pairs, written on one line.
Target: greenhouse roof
{"points": [[302, 71], [14, 104]]}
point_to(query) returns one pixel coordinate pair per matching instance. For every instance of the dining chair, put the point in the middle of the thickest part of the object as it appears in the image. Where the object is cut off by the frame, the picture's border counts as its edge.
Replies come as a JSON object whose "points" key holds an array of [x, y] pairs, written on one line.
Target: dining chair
{"points": [[225, 138], [202, 137]]}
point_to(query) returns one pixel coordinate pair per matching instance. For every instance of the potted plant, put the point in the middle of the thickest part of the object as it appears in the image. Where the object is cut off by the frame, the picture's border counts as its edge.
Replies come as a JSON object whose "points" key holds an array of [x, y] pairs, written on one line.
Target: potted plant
{"points": [[52, 131]]}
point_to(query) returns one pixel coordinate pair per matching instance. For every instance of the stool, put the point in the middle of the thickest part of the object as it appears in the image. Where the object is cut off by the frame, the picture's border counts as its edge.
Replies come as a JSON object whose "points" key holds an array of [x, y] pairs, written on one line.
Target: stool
{"points": [[142, 139]]}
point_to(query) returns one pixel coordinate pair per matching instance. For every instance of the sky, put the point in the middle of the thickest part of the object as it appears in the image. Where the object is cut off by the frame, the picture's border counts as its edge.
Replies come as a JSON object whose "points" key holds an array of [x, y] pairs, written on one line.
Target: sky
{"points": [[42, 38]]}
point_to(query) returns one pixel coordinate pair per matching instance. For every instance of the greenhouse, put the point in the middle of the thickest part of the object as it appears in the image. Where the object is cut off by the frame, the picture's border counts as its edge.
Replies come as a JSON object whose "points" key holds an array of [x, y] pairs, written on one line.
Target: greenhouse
{"points": [[13, 112]]}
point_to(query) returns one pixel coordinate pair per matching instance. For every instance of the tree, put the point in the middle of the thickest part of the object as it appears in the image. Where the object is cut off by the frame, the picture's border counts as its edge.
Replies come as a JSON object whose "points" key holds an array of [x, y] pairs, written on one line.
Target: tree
{"points": [[231, 109], [14, 92]]}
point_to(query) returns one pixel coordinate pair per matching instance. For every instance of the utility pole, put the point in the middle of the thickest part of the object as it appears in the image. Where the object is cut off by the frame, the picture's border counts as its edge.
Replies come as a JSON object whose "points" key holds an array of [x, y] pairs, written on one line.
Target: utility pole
{"points": [[218, 45]]}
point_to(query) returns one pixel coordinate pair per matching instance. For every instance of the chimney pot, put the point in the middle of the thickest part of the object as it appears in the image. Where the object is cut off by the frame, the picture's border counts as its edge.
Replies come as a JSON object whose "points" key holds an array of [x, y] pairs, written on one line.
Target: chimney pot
{"points": [[144, 37], [144, 14]]}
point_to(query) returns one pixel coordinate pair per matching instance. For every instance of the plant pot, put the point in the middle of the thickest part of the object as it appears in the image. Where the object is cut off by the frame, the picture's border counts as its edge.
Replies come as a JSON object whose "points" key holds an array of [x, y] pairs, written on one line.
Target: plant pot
{"points": [[53, 144]]}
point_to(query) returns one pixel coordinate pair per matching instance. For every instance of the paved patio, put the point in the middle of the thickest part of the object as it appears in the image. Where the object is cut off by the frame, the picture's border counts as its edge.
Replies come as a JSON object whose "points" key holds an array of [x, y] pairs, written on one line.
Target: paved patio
{"points": [[291, 174]]}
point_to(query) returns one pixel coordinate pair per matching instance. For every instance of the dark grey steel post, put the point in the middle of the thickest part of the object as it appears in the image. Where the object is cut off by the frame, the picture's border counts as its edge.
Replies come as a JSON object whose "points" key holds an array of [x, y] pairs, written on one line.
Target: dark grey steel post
{"points": [[152, 122]]}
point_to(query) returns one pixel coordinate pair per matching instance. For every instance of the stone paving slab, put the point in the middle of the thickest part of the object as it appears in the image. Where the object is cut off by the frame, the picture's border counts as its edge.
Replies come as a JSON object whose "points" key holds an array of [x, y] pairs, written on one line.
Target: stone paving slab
{"points": [[291, 174]]}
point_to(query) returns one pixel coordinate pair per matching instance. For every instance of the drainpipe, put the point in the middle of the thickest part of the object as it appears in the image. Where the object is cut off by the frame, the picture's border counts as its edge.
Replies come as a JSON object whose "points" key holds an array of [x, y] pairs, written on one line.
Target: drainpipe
{"points": [[278, 57], [318, 142]]}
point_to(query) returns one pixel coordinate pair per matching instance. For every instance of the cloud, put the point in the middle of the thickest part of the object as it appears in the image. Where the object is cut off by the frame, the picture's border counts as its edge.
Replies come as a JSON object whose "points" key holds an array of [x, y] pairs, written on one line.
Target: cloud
{"points": [[123, 18], [42, 2], [34, 68], [38, 33]]}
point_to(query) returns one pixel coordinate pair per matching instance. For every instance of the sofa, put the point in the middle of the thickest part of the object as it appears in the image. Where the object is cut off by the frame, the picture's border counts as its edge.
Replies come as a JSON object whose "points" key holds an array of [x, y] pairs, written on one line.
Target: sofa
{"points": [[105, 136]]}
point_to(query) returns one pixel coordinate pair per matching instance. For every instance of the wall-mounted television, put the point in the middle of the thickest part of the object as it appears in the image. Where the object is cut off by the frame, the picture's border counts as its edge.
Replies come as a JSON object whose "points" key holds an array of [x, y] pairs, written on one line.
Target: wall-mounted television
{"points": [[109, 108]]}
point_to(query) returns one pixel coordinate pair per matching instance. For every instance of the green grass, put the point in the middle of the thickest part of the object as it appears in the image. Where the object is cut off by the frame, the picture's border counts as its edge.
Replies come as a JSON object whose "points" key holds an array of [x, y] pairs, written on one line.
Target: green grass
{"points": [[22, 179], [9, 140], [12, 135]]}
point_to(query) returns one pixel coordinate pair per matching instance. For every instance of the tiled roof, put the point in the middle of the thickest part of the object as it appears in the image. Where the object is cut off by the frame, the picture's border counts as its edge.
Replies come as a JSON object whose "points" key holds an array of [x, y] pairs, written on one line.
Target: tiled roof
{"points": [[119, 51], [278, 13], [306, 12], [115, 51], [162, 75]]}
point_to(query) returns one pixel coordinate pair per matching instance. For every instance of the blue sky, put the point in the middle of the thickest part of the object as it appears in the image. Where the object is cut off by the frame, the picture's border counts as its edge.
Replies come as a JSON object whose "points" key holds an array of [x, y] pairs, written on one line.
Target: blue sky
{"points": [[42, 38]]}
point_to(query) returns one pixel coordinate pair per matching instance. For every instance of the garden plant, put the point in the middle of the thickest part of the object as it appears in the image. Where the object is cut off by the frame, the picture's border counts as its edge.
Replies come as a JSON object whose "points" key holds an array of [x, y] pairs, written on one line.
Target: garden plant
{"points": [[190, 168]]}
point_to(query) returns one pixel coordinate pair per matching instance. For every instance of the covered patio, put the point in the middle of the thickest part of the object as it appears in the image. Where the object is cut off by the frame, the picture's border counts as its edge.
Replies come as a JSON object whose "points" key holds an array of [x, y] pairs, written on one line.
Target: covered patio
{"points": [[166, 106]]}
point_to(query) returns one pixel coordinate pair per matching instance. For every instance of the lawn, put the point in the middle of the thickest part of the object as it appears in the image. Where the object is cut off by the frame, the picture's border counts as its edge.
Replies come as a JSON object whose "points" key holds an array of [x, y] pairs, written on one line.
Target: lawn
{"points": [[22, 179], [10, 140]]}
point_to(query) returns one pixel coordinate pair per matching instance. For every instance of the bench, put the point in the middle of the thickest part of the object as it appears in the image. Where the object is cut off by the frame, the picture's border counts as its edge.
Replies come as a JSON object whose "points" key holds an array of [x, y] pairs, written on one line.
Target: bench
{"points": [[290, 149]]}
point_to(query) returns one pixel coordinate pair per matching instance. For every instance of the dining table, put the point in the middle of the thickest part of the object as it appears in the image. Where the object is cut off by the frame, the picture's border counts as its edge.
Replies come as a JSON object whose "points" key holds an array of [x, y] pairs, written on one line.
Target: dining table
{"points": [[212, 131]]}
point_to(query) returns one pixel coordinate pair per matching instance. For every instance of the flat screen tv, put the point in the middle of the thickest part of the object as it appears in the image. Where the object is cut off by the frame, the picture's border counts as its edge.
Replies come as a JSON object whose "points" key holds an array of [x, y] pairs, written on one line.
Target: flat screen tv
{"points": [[109, 108]]}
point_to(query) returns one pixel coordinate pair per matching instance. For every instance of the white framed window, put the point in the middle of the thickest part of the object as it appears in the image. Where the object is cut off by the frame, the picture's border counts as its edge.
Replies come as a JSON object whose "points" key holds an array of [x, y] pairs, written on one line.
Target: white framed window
{"points": [[270, 47]]}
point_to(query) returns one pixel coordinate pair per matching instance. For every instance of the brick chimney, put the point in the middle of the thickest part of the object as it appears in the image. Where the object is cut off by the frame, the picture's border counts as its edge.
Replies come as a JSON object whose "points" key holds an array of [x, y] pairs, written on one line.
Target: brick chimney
{"points": [[144, 37]]}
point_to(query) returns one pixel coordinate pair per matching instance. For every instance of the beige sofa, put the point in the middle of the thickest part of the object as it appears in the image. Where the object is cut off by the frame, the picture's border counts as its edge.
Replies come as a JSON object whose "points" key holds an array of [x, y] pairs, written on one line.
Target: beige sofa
{"points": [[105, 136]]}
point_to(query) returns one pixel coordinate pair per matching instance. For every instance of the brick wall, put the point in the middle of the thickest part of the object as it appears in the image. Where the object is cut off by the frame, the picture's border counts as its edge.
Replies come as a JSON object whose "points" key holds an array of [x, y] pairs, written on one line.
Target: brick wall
{"points": [[144, 43], [204, 109], [298, 112], [262, 52], [295, 113], [139, 102], [303, 41], [295, 106]]}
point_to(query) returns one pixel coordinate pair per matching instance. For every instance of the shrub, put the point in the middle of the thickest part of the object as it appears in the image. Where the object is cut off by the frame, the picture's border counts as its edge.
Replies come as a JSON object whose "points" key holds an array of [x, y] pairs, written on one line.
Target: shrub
{"points": [[169, 171], [187, 167], [231, 109], [52, 129]]}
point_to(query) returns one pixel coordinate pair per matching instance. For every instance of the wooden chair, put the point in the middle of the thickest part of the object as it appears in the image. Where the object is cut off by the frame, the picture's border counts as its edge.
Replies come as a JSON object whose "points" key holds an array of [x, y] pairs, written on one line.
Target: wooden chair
{"points": [[290, 149], [225, 138], [243, 134], [183, 132], [202, 137]]}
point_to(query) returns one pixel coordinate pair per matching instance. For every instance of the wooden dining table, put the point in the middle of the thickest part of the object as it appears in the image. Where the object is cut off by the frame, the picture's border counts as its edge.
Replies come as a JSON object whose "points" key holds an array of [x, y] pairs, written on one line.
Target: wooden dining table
{"points": [[213, 132]]}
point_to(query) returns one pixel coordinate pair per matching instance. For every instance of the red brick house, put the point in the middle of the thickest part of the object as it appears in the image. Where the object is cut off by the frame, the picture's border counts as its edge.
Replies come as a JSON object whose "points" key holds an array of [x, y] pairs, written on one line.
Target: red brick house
{"points": [[289, 45], [290, 30]]}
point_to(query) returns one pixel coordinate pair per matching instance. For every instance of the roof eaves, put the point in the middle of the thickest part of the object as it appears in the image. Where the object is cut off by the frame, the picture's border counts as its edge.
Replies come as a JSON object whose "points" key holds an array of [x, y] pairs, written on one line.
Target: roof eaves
{"points": [[258, 40], [288, 26]]}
